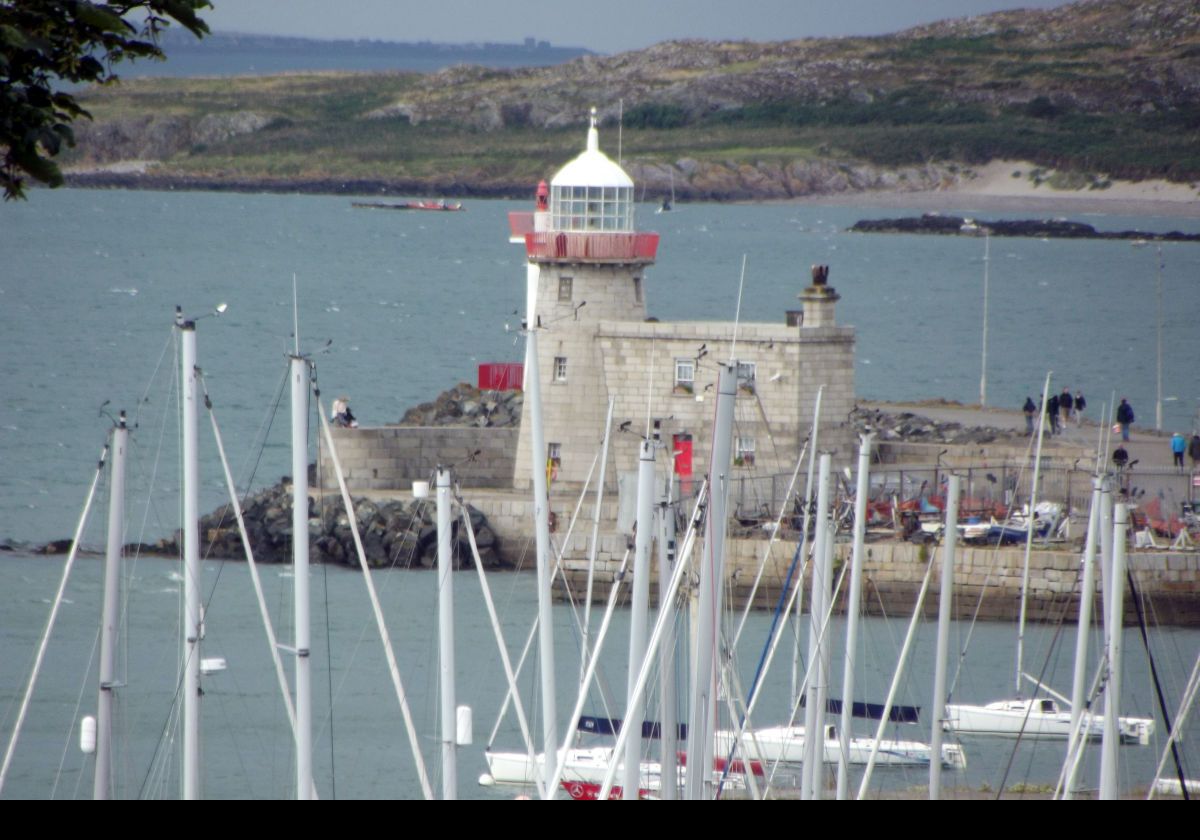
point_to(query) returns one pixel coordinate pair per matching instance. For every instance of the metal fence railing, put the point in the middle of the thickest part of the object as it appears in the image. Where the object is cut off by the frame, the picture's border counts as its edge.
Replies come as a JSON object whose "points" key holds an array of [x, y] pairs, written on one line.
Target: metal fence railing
{"points": [[986, 489]]}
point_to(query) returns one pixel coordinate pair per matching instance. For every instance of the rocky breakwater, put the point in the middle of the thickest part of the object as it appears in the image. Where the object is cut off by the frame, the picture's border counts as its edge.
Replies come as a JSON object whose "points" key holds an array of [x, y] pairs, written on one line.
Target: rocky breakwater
{"points": [[393, 533], [909, 427], [466, 405], [938, 224]]}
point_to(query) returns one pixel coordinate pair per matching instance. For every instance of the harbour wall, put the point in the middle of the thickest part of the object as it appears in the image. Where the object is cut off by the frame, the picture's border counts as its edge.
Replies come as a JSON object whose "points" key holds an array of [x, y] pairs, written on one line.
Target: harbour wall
{"points": [[987, 579], [392, 457]]}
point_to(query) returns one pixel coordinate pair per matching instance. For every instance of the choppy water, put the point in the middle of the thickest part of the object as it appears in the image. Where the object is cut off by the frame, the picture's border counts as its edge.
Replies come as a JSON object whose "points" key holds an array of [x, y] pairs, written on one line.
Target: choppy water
{"points": [[413, 302], [361, 748]]}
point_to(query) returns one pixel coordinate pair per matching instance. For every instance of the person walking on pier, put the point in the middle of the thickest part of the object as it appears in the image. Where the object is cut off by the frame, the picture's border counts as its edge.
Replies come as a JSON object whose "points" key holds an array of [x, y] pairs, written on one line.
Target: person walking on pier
{"points": [[1052, 413], [1065, 404], [1030, 411], [1194, 451], [1080, 405], [1178, 447], [1124, 418]]}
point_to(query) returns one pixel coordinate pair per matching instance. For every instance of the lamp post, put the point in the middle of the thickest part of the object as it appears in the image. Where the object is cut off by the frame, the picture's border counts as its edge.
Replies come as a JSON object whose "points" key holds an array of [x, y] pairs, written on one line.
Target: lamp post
{"points": [[1139, 243], [1158, 371], [987, 244]]}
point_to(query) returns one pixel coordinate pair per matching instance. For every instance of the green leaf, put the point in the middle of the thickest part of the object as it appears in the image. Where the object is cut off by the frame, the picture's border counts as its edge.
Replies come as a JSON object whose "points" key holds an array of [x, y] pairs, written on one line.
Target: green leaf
{"points": [[100, 18]]}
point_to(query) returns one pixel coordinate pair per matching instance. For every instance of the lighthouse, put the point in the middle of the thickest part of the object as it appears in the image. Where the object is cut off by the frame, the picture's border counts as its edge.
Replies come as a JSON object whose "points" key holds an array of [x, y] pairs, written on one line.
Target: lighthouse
{"points": [[586, 266], [587, 295]]}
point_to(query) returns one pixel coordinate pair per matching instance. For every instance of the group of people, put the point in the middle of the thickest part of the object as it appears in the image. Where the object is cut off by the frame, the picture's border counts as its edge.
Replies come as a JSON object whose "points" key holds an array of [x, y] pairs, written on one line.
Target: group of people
{"points": [[1180, 445], [1060, 410]]}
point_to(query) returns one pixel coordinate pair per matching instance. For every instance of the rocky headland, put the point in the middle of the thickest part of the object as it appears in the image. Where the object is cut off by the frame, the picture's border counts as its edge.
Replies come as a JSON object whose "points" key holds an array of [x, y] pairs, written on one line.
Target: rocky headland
{"points": [[1091, 95]]}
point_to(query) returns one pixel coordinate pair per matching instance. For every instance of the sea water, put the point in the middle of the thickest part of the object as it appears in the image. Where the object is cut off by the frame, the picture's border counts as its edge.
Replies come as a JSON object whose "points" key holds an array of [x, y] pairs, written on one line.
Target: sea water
{"points": [[411, 303]]}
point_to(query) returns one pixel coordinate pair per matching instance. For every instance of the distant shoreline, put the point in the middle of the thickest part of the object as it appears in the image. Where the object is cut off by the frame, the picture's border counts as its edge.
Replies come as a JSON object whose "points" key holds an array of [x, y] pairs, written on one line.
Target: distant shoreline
{"points": [[983, 193]]}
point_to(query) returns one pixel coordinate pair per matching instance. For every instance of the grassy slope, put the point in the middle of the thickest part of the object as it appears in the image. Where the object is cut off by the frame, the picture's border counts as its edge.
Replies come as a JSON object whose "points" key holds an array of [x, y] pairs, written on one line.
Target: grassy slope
{"points": [[931, 100]]}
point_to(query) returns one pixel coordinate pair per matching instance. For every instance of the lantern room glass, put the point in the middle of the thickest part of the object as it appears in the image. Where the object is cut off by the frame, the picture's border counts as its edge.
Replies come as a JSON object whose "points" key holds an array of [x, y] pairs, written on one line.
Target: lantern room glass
{"points": [[591, 209]]}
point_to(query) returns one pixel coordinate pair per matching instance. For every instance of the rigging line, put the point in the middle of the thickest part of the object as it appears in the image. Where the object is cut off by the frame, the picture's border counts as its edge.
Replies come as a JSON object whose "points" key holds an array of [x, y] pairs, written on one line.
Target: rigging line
{"points": [[501, 644], [58, 598], [737, 313], [1058, 626], [320, 493], [1185, 708], [389, 652], [83, 686], [753, 697], [991, 566], [737, 636], [151, 497], [153, 375], [1162, 701], [260, 598]]}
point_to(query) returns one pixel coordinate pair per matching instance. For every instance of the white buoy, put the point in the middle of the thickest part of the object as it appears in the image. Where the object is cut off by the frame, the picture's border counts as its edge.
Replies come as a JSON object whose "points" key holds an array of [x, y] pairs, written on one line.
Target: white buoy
{"points": [[87, 735], [420, 489]]}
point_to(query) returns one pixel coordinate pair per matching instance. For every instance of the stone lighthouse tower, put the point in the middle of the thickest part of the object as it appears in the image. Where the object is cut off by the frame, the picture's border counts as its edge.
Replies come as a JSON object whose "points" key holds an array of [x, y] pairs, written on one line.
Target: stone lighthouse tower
{"points": [[586, 266]]}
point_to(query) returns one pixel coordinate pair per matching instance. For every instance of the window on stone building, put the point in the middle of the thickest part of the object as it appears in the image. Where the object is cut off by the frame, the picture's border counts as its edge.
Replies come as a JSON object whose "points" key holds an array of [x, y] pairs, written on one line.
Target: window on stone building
{"points": [[746, 372], [565, 289], [560, 368], [637, 289], [744, 455], [685, 376]]}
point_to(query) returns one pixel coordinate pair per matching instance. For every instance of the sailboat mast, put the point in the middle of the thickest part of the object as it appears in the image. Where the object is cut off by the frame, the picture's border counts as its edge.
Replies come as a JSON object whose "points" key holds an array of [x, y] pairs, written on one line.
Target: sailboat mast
{"points": [[1087, 591], [945, 614], [639, 611], [852, 610], [669, 737], [797, 670], [703, 705], [1029, 523], [541, 508], [298, 374], [814, 714], [191, 560], [102, 783], [1114, 591], [445, 578]]}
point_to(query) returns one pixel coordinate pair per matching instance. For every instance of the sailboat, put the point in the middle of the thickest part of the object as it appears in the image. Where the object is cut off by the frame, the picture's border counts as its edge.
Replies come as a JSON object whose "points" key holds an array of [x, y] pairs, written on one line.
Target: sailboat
{"points": [[668, 204]]}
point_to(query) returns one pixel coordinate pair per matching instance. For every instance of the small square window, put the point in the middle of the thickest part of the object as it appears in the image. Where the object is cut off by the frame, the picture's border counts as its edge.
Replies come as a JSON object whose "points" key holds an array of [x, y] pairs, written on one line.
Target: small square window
{"points": [[685, 376], [746, 372], [565, 289], [560, 368], [744, 455]]}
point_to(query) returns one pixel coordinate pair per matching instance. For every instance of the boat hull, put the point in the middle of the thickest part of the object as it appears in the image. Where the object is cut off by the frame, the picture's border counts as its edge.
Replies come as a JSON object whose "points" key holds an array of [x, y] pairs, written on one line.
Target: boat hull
{"points": [[786, 744], [1012, 719]]}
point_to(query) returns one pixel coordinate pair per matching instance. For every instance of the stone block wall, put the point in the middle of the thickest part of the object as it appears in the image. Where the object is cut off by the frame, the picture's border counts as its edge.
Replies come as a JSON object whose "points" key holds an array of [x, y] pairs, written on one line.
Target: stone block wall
{"points": [[392, 457]]}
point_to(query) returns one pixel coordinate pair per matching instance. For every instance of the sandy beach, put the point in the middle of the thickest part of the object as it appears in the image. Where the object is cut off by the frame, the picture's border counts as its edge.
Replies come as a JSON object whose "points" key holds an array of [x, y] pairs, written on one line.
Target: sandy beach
{"points": [[993, 188]]}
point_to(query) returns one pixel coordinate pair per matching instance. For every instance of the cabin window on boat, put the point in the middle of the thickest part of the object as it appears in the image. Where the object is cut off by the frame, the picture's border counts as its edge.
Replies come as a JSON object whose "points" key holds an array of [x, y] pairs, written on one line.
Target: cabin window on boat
{"points": [[565, 289], [560, 368], [685, 376], [744, 456], [745, 377]]}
